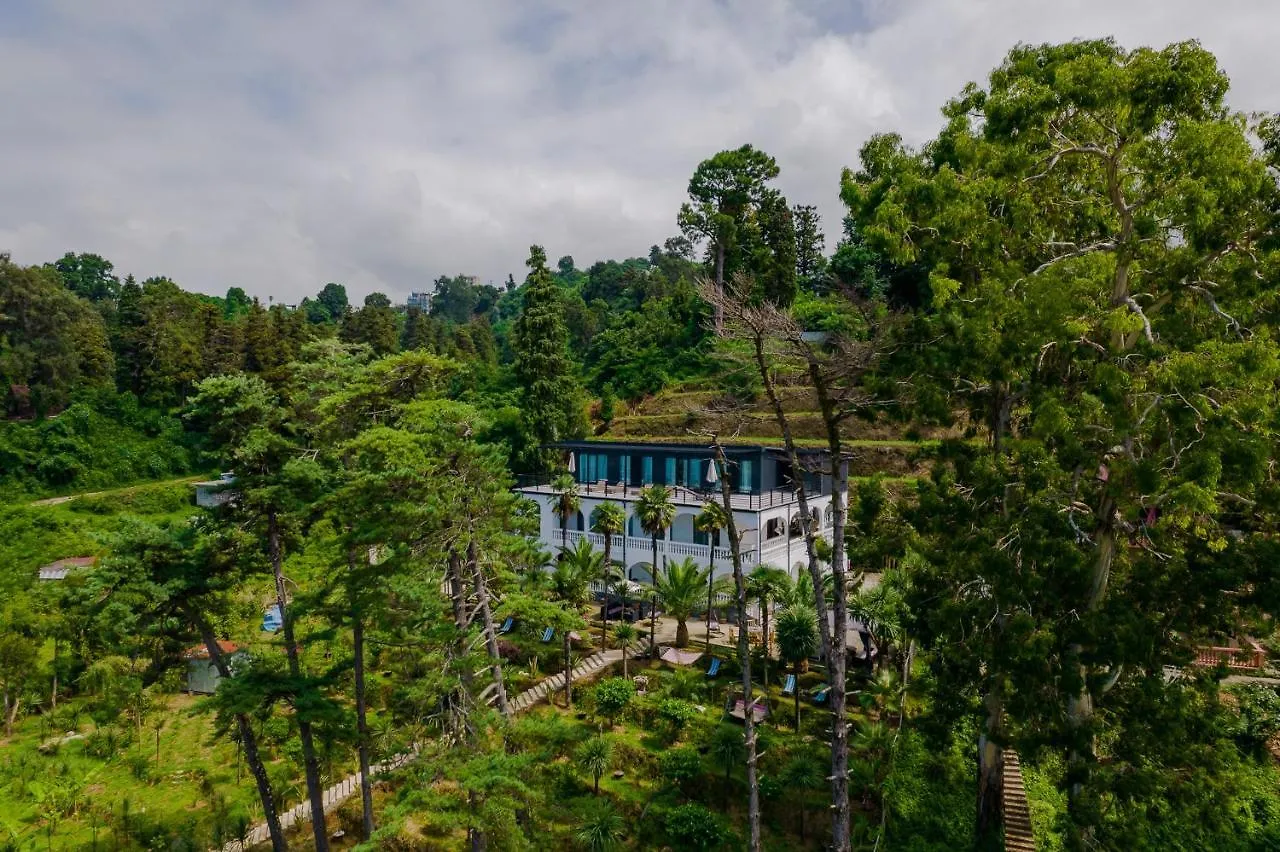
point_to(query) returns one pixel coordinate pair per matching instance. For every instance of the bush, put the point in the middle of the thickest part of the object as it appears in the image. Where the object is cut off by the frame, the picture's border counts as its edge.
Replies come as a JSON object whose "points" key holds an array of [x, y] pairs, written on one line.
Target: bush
{"points": [[613, 696], [1259, 709], [694, 827], [679, 766], [675, 714]]}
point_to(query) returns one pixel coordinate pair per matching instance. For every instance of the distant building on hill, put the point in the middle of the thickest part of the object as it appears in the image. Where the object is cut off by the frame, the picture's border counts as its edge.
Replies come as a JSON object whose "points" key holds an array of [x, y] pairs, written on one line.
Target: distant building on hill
{"points": [[215, 492], [421, 301], [60, 569], [202, 674]]}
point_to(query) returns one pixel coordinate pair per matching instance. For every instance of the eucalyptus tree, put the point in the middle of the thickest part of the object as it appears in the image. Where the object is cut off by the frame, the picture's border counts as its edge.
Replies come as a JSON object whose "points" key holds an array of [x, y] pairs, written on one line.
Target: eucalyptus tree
{"points": [[840, 370], [1098, 233]]}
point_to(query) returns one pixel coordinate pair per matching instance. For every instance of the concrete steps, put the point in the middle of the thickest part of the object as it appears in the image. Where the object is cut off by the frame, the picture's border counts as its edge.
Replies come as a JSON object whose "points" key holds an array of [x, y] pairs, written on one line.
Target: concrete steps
{"points": [[1015, 813]]}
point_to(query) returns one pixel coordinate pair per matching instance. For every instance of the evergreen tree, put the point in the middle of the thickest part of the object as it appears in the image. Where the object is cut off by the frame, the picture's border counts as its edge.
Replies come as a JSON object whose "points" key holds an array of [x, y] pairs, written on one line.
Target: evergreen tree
{"points": [[811, 261], [550, 393]]}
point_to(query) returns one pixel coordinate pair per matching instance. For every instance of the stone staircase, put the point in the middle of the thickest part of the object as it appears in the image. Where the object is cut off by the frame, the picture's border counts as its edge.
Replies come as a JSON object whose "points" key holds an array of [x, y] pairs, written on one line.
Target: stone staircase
{"points": [[1015, 813], [350, 786]]}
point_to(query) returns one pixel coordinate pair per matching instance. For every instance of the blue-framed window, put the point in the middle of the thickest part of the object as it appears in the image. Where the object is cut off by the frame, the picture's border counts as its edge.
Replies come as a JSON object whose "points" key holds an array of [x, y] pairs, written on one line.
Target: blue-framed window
{"points": [[646, 470], [593, 467], [746, 476], [624, 469], [670, 470]]}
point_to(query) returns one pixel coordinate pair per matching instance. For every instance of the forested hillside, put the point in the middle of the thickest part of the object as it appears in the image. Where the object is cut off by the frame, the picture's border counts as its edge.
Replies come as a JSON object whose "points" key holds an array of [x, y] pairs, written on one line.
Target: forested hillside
{"points": [[1038, 370]]}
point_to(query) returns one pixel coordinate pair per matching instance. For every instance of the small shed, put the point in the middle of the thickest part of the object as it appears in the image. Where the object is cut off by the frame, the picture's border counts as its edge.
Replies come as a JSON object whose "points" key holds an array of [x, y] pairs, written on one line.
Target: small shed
{"points": [[215, 492], [202, 674], [60, 569]]}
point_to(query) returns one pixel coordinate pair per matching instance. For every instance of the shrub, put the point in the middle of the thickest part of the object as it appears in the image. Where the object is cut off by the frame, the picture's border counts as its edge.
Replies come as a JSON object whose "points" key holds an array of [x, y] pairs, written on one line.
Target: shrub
{"points": [[675, 715], [613, 696], [692, 826], [679, 766], [1259, 709]]}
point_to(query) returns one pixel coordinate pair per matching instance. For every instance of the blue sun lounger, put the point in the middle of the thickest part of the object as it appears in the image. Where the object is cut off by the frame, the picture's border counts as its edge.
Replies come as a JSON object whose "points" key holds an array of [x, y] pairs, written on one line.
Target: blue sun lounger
{"points": [[506, 625], [820, 697], [789, 688], [271, 619], [715, 667], [548, 633]]}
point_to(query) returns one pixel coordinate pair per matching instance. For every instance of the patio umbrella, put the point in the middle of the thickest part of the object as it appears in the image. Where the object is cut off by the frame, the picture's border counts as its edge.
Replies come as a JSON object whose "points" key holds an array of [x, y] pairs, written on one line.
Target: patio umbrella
{"points": [[573, 463], [713, 475]]}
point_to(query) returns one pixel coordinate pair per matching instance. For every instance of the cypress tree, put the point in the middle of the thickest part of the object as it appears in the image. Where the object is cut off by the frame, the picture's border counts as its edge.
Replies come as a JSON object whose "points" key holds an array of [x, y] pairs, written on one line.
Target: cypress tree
{"points": [[550, 392]]}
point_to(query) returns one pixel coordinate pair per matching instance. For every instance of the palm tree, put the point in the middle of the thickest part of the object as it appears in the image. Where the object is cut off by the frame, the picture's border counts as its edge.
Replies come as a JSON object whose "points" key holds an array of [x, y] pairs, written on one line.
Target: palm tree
{"points": [[882, 610], [656, 512], [727, 748], [568, 501], [596, 757], [624, 634], [711, 519], [607, 520], [680, 585], [602, 828], [571, 584], [797, 641], [766, 584]]}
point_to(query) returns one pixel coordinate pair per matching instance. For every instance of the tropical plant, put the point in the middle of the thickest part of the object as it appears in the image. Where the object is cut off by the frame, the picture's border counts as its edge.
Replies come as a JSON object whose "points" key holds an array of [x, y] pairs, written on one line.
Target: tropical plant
{"points": [[601, 829], [693, 826], [609, 519], [656, 511], [595, 757], [766, 584], [567, 503], [681, 587], [571, 584], [797, 642], [727, 748], [625, 635]]}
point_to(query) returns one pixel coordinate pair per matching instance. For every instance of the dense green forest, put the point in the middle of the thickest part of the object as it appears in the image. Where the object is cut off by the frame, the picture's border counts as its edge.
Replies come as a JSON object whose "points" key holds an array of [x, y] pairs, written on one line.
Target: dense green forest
{"points": [[1041, 365]]}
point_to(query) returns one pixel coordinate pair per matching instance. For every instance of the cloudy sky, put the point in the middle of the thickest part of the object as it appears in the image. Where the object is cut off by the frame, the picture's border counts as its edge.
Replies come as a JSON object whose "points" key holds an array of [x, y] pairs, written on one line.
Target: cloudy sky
{"points": [[280, 145]]}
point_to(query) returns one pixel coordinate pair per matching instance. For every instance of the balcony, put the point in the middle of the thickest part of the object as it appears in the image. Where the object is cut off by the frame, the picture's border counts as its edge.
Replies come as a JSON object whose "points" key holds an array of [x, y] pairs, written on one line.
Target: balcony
{"points": [[640, 549], [680, 495]]}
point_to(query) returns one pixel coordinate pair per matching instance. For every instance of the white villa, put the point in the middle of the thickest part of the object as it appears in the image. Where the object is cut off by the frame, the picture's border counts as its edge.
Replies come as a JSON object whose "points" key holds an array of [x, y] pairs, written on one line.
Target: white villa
{"points": [[765, 507]]}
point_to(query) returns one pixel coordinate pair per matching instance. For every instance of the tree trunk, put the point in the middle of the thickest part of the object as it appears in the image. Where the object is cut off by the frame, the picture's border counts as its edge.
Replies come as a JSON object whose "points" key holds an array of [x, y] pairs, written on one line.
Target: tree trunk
{"points": [[248, 740], [711, 579], [311, 764], [53, 694], [362, 721], [719, 309], [795, 669], [682, 633], [990, 773], [764, 624], [624, 661], [744, 652], [362, 729], [457, 599], [604, 611], [568, 674], [490, 633], [833, 635]]}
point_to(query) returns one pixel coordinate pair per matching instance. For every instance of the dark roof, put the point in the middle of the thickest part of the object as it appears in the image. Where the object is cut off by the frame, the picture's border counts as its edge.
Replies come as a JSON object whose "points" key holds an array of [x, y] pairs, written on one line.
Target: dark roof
{"points": [[698, 448]]}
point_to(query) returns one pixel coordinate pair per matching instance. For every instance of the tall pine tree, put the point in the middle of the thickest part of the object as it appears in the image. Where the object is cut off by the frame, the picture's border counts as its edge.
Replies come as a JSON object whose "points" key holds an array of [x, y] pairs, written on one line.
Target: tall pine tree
{"points": [[550, 392]]}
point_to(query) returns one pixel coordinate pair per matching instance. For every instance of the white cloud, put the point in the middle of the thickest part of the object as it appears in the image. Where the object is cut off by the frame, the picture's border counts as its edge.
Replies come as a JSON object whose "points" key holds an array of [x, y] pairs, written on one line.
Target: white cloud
{"points": [[280, 146]]}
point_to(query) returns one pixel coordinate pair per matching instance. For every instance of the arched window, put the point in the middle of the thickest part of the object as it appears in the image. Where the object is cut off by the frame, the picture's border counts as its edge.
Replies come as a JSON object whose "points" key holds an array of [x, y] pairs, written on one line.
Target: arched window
{"points": [[796, 529], [830, 515], [773, 528]]}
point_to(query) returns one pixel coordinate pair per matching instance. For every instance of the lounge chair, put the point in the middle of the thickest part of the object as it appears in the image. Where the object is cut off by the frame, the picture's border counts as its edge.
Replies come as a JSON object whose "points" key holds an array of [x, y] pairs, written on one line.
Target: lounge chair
{"points": [[789, 688], [507, 625], [820, 697], [715, 667], [548, 633], [271, 620]]}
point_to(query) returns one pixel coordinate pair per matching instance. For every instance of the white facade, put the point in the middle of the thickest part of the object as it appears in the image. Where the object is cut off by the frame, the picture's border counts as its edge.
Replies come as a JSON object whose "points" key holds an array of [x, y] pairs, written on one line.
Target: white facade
{"points": [[767, 518]]}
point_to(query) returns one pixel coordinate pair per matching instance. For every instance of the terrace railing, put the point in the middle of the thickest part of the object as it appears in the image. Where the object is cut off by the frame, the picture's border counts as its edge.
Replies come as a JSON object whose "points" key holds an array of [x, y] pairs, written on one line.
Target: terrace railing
{"points": [[682, 494], [1254, 657]]}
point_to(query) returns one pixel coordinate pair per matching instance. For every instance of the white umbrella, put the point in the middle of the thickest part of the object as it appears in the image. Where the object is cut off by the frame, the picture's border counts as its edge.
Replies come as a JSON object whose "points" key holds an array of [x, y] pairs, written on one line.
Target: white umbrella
{"points": [[713, 475], [573, 463]]}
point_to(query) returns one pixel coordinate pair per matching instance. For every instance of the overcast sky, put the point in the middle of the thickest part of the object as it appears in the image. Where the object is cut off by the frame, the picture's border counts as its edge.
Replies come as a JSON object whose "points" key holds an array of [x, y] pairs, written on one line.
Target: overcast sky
{"points": [[280, 145]]}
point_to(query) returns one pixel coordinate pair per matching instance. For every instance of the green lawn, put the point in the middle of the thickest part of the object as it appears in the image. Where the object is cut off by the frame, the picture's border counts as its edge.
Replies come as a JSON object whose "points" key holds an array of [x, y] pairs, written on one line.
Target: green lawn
{"points": [[178, 788]]}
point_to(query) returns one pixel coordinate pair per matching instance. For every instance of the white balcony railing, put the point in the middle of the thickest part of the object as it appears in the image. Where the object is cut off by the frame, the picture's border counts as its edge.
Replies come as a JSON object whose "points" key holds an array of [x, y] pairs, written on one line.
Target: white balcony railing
{"points": [[640, 549]]}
